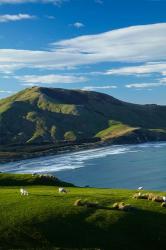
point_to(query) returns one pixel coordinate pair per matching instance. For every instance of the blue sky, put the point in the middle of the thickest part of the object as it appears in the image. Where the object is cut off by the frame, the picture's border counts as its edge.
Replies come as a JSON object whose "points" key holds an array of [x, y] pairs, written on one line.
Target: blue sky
{"points": [[111, 46]]}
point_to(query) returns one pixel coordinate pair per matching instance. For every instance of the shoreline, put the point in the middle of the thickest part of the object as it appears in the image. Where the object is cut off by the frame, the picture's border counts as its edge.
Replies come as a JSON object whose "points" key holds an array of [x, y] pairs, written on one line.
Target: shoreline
{"points": [[8, 156], [11, 156]]}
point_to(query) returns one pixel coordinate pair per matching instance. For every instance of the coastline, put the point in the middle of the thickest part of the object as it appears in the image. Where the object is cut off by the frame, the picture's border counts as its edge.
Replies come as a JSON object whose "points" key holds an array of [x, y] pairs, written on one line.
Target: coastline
{"points": [[23, 152], [12, 156]]}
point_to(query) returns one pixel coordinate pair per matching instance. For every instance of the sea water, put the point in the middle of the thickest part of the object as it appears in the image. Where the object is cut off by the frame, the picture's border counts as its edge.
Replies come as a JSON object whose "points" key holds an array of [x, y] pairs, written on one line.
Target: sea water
{"points": [[122, 166]]}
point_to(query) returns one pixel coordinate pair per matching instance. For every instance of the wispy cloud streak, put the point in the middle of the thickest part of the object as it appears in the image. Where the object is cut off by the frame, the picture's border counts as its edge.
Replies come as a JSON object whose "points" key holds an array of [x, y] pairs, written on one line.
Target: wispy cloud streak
{"points": [[13, 18], [141, 44]]}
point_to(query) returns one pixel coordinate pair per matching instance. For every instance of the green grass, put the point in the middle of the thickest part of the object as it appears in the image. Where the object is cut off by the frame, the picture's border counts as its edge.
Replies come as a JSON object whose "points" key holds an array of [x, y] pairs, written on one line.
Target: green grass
{"points": [[46, 219], [30, 115], [29, 179], [116, 129]]}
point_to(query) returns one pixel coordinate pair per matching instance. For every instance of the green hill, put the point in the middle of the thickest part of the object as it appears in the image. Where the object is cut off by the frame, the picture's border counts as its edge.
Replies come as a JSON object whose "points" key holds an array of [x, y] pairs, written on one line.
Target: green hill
{"points": [[44, 115], [46, 219], [31, 179]]}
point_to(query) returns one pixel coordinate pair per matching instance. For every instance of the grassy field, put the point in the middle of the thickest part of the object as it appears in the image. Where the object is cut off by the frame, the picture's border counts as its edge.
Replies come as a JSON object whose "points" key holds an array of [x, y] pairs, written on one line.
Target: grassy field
{"points": [[46, 219], [116, 129]]}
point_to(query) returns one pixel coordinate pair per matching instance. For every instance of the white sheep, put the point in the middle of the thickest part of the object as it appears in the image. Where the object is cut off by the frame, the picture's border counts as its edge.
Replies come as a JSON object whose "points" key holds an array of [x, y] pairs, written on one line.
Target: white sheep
{"points": [[26, 192], [23, 191], [62, 190]]}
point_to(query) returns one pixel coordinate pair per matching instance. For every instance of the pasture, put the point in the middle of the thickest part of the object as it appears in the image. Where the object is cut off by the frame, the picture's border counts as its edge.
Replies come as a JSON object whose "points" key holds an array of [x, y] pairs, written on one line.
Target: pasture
{"points": [[46, 219]]}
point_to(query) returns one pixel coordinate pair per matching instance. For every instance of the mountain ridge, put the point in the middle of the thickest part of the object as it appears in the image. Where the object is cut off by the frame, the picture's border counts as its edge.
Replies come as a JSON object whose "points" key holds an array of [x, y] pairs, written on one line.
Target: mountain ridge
{"points": [[49, 115]]}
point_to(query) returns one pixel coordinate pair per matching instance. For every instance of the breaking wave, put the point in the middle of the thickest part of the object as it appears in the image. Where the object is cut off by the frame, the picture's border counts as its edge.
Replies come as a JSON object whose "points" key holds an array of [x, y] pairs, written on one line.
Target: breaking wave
{"points": [[70, 161]]}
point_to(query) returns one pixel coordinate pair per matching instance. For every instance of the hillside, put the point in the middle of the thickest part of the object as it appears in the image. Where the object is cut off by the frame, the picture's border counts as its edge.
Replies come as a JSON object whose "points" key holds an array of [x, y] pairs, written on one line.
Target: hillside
{"points": [[31, 179], [59, 117], [46, 219]]}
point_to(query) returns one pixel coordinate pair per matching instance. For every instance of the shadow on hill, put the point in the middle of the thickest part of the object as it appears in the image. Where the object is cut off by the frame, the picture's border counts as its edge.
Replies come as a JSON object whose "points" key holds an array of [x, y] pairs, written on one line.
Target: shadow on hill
{"points": [[135, 231], [80, 228]]}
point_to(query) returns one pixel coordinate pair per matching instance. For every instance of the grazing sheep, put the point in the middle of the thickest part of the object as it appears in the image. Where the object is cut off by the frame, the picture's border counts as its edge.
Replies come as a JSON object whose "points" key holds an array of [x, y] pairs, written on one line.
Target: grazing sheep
{"points": [[141, 196], [115, 205], [86, 203], [140, 188], [157, 198], [78, 203], [151, 196], [122, 206], [26, 192], [163, 204], [164, 198], [145, 196], [137, 196], [62, 190], [23, 191]]}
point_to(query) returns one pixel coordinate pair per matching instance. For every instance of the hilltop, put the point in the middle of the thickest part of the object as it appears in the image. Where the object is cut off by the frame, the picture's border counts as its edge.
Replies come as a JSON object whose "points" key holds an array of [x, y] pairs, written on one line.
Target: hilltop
{"points": [[60, 117]]}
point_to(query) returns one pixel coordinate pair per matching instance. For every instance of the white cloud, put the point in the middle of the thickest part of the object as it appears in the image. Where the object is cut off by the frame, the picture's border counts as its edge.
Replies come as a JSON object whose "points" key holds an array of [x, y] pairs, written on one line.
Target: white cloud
{"points": [[99, 87], [29, 84], [143, 44], [78, 25], [148, 68], [12, 18], [56, 2], [6, 91], [133, 44], [145, 85], [50, 79], [7, 68]]}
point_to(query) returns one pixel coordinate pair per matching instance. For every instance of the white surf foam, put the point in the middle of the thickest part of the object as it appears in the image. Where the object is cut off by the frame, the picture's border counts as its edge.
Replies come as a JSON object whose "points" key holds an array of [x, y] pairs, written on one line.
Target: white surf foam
{"points": [[70, 161]]}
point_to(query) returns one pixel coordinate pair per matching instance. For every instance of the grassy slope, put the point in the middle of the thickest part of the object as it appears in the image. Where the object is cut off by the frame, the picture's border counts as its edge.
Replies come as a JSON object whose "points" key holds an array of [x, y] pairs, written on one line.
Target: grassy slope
{"points": [[42, 115], [115, 130], [29, 179], [47, 219]]}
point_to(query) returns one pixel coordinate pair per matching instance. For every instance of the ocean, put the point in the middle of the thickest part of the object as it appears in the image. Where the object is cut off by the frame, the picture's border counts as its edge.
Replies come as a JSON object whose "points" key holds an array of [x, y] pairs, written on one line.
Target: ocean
{"points": [[122, 166]]}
